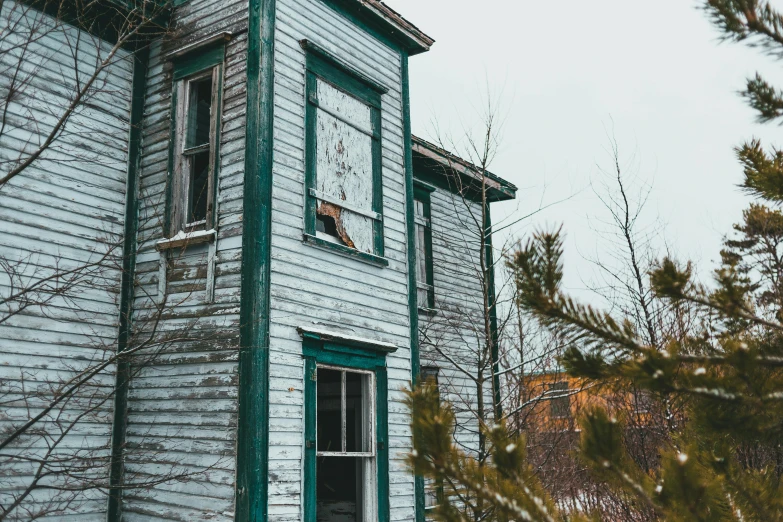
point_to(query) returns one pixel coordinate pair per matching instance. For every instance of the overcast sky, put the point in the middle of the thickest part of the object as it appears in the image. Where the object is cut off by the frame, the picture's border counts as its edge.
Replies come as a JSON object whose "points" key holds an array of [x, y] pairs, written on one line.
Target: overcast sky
{"points": [[567, 72]]}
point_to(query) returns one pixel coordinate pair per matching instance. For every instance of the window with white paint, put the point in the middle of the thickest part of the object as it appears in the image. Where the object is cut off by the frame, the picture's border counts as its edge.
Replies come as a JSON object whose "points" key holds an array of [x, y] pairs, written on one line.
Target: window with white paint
{"points": [[344, 198], [193, 181], [424, 266], [345, 445]]}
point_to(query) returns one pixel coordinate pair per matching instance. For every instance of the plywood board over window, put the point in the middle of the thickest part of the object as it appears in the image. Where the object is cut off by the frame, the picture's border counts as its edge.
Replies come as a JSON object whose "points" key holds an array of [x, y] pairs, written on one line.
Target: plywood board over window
{"points": [[344, 207]]}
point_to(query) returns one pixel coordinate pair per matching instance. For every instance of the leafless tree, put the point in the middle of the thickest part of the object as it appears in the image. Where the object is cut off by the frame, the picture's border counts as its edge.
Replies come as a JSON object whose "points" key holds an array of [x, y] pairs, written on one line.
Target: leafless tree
{"points": [[57, 400]]}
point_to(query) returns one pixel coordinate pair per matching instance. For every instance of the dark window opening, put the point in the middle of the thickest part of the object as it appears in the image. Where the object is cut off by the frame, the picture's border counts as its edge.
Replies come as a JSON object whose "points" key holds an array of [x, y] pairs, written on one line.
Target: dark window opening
{"points": [[199, 113], [344, 445], [559, 402], [327, 225], [338, 489], [199, 187]]}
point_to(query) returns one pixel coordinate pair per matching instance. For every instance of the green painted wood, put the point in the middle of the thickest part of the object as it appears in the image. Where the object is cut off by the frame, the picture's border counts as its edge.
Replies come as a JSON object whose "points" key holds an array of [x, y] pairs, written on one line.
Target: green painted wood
{"points": [[413, 307], [493, 313], [119, 425], [344, 250], [310, 390], [320, 64], [199, 60], [377, 182], [355, 12], [317, 50], [382, 437], [252, 495], [356, 357]]}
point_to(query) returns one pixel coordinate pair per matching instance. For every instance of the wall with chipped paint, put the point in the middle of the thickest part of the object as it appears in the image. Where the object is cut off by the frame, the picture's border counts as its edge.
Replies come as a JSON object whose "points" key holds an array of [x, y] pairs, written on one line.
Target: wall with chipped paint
{"points": [[456, 327], [311, 286], [182, 405], [64, 212]]}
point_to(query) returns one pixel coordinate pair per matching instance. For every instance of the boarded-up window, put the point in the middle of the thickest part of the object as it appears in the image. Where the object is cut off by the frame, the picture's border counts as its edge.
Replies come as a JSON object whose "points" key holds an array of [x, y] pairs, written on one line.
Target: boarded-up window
{"points": [[343, 158]]}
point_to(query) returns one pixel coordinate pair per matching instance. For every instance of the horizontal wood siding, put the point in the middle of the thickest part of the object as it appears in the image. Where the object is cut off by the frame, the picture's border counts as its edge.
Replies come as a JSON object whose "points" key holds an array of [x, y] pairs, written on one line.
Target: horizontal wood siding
{"points": [[64, 212], [182, 403], [311, 286], [457, 325]]}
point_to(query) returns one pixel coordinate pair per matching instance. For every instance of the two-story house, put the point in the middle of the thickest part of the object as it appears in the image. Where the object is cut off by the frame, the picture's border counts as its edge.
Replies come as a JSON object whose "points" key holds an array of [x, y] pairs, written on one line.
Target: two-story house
{"points": [[260, 233]]}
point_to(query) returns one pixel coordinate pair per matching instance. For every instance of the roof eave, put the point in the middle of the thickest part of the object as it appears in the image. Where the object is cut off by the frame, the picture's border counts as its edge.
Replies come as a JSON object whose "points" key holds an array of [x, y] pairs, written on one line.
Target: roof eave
{"points": [[394, 25], [498, 188]]}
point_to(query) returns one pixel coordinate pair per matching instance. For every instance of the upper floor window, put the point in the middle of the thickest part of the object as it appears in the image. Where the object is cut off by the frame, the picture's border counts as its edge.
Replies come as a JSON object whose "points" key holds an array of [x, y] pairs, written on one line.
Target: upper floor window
{"points": [[559, 401], [196, 102], [344, 199], [424, 265]]}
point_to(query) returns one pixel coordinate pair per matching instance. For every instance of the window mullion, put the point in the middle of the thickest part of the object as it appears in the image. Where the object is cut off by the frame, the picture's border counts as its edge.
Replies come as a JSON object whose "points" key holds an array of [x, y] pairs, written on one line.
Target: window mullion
{"points": [[342, 412]]}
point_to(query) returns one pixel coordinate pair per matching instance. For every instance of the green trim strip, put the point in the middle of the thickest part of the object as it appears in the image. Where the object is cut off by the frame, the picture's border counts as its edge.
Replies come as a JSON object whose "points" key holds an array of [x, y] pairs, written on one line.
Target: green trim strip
{"points": [[319, 51], [345, 250], [413, 307], [252, 496], [317, 352], [140, 63], [198, 60], [493, 313]]}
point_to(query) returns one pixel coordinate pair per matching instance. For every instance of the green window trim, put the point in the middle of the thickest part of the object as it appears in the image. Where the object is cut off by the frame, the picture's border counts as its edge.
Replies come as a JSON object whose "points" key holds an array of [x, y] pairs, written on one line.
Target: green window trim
{"points": [[321, 348], [193, 64], [421, 193], [321, 65]]}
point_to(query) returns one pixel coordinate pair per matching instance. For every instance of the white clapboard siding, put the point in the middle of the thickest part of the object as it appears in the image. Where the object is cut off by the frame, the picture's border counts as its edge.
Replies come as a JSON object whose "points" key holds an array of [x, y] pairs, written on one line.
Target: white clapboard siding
{"points": [[64, 212], [182, 404], [457, 325], [311, 285]]}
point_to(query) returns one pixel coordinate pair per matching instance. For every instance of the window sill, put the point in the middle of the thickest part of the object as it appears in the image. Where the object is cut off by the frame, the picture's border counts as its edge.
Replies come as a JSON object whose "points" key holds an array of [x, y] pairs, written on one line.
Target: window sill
{"points": [[429, 312], [345, 251], [183, 239]]}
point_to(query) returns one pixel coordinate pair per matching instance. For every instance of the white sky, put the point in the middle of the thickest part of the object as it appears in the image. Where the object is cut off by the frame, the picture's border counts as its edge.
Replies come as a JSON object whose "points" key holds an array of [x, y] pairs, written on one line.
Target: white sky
{"points": [[566, 70]]}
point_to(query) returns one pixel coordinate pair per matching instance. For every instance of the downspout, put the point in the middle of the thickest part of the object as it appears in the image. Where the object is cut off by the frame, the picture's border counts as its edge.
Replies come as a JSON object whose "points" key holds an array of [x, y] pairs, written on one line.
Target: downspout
{"points": [[120, 422]]}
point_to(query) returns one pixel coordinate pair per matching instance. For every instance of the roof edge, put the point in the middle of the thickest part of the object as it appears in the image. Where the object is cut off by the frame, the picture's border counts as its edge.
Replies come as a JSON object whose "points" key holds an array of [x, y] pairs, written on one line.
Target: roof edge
{"points": [[416, 41], [502, 189]]}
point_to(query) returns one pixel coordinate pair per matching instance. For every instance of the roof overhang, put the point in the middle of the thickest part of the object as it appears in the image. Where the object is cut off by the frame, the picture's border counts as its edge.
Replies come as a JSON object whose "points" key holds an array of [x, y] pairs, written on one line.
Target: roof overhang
{"points": [[388, 22], [446, 170]]}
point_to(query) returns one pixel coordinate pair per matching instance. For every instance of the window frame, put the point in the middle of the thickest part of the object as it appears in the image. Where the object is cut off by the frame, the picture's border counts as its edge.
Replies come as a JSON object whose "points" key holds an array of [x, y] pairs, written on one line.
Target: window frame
{"points": [[427, 374], [554, 401], [193, 66], [350, 356], [423, 192], [321, 65]]}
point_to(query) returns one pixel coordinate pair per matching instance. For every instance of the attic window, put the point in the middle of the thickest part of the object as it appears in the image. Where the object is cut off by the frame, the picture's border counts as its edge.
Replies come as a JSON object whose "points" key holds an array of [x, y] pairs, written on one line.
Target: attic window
{"points": [[344, 199]]}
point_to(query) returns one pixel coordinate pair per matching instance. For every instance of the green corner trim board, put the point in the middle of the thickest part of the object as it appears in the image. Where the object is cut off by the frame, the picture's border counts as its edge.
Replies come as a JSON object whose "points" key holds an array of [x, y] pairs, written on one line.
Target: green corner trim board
{"points": [[252, 492]]}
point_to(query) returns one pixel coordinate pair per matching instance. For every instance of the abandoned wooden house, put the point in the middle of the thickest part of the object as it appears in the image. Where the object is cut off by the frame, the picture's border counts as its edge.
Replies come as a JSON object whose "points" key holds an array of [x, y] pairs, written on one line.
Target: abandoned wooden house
{"points": [[238, 206]]}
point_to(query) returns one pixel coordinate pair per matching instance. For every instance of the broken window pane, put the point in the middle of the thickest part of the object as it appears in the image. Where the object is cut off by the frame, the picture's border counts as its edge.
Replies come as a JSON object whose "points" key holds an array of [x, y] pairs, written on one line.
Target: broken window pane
{"points": [[199, 187], [328, 411], [344, 164], [199, 112]]}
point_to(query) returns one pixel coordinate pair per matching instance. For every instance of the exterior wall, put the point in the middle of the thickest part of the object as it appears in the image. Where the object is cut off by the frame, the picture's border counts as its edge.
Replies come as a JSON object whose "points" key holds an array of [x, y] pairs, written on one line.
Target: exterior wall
{"points": [[64, 212], [182, 404], [456, 326], [310, 286]]}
